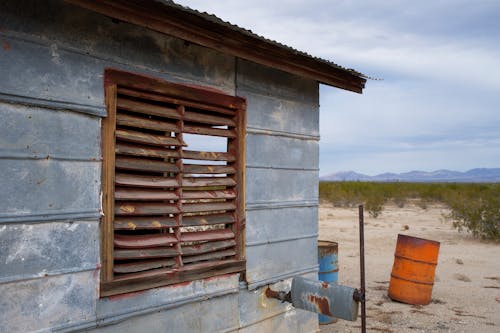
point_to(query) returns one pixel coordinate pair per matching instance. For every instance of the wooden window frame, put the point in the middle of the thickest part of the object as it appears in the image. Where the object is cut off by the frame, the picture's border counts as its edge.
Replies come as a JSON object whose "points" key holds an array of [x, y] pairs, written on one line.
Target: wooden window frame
{"points": [[181, 95]]}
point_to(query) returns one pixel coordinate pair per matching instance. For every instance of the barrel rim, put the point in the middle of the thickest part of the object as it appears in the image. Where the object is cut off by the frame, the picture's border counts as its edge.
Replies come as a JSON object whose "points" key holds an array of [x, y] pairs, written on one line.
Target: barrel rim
{"points": [[420, 239], [327, 244]]}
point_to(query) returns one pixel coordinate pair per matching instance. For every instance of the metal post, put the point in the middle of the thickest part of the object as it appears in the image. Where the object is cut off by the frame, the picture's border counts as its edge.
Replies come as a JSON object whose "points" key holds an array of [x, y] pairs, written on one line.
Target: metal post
{"points": [[362, 268]]}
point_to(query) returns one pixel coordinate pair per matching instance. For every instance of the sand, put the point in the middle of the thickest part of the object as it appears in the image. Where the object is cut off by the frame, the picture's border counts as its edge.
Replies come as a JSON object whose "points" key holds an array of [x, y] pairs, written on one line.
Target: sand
{"points": [[466, 293]]}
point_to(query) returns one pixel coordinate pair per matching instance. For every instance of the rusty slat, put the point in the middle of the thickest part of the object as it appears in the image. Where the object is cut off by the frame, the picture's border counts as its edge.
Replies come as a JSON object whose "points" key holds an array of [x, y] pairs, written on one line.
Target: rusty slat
{"points": [[142, 266], [144, 181], [136, 150], [188, 250], [146, 138], [222, 194], [208, 169], [144, 195], [208, 156], [174, 100], [147, 253], [134, 208], [209, 256], [207, 181], [202, 130], [143, 241], [200, 220], [208, 235], [208, 119], [140, 223], [142, 164], [145, 108], [140, 122], [208, 207]]}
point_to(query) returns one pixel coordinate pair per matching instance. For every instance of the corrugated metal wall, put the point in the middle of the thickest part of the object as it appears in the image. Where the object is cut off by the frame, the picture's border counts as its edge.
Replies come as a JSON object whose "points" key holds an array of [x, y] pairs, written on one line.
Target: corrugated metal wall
{"points": [[52, 60]]}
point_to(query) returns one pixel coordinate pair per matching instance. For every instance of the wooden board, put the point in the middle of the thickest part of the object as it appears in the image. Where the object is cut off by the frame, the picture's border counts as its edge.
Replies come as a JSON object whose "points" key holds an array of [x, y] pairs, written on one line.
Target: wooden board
{"points": [[141, 223], [143, 241], [135, 208], [144, 181]]}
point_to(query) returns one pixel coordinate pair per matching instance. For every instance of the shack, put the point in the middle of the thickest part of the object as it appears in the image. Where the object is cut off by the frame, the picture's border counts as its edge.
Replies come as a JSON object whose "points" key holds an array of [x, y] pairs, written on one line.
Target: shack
{"points": [[158, 169]]}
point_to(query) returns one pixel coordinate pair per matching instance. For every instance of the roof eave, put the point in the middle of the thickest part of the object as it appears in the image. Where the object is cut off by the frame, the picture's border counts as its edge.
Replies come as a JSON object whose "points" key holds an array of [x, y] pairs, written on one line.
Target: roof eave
{"points": [[178, 22]]}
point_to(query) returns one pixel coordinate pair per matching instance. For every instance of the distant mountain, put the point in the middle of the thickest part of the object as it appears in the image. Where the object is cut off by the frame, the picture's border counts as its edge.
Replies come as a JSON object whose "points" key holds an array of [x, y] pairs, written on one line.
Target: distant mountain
{"points": [[480, 175]]}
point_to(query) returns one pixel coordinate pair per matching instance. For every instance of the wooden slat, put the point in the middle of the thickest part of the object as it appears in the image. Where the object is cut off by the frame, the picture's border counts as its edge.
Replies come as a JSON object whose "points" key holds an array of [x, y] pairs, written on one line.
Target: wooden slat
{"points": [[139, 223], [148, 253], [207, 247], [209, 256], [142, 164], [146, 138], [134, 208], [209, 131], [144, 195], [208, 169], [140, 122], [145, 108], [208, 119], [208, 235], [208, 156], [172, 100], [166, 276], [223, 194], [144, 181], [207, 181], [208, 207], [108, 171], [143, 241], [140, 266], [200, 220], [136, 150]]}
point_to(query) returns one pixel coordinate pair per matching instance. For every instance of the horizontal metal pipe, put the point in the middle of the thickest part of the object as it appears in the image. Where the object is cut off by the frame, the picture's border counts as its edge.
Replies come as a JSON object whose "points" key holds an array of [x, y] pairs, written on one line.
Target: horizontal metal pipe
{"points": [[291, 135]]}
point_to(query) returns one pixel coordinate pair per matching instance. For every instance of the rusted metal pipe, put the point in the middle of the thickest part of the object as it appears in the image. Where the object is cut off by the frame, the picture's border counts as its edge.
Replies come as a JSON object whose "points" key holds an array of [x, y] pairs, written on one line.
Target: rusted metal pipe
{"points": [[361, 296], [281, 295]]}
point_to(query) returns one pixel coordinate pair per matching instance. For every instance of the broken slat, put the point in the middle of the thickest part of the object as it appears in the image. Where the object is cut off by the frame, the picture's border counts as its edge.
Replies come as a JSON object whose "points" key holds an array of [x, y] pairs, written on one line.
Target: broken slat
{"points": [[143, 241], [128, 149], [208, 119], [208, 235], [134, 208], [144, 181], [163, 98], [144, 195], [208, 207], [140, 122], [200, 220], [207, 247], [209, 131], [140, 223], [209, 256], [140, 266], [146, 138], [142, 164], [147, 253], [223, 194], [208, 156], [207, 181], [145, 108], [208, 169]]}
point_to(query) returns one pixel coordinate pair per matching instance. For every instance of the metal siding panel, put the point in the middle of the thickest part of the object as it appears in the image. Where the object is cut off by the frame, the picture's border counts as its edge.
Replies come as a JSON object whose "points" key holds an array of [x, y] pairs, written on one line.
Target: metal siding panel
{"points": [[267, 226], [33, 132], [265, 186], [293, 321], [121, 43], [281, 152], [267, 112], [41, 304], [48, 187], [268, 81], [27, 251], [269, 261]]}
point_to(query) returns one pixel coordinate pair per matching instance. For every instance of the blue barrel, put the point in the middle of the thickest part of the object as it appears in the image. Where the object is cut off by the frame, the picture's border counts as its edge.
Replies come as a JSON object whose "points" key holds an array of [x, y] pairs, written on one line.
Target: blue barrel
{"points": [[328, 270]]}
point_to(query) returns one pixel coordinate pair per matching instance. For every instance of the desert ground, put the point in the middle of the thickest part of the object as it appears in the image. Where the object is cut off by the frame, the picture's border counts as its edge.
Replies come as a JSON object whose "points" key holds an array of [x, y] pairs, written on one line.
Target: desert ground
{"points": [[466, 293]]}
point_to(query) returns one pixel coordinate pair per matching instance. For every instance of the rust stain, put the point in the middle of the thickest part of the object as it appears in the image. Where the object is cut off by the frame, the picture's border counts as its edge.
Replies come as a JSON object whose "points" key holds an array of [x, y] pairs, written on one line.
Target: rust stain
{"points": [[125, 296], [6, 46], [271, 293], [324, 284], [322, 304]]}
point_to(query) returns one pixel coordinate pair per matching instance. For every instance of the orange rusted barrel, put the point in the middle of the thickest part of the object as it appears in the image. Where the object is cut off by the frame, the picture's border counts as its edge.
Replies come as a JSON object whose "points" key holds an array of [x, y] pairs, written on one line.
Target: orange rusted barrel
{"points": [[412, 276]]}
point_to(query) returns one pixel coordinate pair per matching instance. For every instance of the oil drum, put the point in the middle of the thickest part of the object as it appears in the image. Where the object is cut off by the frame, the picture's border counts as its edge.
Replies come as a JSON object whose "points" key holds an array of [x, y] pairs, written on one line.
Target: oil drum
{"points": [[328, 269]]}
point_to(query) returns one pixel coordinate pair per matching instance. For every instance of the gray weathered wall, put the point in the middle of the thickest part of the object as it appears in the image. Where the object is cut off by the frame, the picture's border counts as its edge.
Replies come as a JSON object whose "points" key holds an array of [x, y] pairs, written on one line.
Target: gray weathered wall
{"points": [[52, 60]]}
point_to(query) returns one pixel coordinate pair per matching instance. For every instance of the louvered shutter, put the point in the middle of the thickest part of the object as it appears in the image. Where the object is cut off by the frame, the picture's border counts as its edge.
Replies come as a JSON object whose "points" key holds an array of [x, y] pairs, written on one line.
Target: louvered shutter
{"points": [[177, 211]]}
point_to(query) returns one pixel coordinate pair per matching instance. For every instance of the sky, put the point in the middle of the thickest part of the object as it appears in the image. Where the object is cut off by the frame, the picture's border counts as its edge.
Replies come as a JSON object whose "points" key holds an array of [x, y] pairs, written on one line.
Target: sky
{"points": [[437, 103]]}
